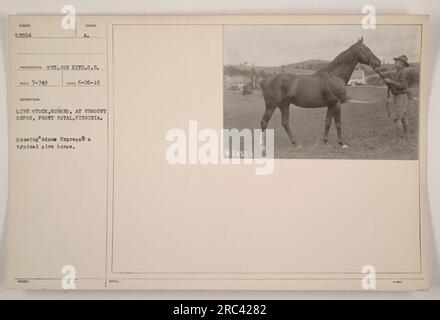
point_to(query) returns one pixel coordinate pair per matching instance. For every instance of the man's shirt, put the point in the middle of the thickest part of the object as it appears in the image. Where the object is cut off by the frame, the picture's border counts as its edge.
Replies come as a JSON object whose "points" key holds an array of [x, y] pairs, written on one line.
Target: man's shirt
{"points": [[400, 82]]}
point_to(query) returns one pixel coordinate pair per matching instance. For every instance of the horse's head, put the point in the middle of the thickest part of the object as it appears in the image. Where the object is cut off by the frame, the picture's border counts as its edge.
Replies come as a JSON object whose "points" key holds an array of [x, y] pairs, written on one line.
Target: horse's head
{"points": [[365, 55]]}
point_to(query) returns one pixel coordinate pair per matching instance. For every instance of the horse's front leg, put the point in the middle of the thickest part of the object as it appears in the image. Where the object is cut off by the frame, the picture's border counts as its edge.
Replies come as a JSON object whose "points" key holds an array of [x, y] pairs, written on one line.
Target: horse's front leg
{"points": [[270, 108], [328, 122], [338, 123]]}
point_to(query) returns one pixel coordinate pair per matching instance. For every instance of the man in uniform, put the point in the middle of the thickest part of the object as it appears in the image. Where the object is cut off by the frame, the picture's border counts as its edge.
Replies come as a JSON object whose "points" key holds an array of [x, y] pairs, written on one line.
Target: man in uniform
{"points": [[399, 88]]}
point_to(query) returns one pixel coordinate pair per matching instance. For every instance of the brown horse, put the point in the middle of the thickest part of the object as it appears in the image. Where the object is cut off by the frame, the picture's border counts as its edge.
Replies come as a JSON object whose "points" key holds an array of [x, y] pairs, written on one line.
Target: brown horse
{"points": [[326, 88]]}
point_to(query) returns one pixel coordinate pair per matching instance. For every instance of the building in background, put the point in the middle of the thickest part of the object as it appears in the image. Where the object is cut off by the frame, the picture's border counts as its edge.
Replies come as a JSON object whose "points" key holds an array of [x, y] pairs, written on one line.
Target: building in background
{"points": [[236, 82], [357, 78]]}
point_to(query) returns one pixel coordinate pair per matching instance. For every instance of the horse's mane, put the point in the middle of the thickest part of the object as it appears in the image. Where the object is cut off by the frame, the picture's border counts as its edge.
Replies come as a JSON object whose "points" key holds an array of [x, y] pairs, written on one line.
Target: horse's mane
{"points": [[338, 60]]}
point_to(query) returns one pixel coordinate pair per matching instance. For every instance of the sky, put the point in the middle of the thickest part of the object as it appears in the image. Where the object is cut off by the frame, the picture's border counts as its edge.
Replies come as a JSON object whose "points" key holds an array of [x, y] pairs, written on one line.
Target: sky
{"points": [[273, 45]]}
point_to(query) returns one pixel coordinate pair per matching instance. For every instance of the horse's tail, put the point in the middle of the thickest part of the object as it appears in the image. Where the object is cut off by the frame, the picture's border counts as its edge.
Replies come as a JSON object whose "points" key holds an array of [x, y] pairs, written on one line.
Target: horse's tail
{"points": [[263, 83]]}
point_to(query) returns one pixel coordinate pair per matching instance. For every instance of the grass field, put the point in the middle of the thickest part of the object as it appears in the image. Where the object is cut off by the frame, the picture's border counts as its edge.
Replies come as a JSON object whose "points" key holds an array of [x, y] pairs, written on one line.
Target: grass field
{"points": [[367, 130]]}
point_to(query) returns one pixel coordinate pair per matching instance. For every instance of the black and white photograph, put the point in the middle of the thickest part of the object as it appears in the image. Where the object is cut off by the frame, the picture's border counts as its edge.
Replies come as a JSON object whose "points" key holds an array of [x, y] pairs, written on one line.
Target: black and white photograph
{"points": [[238, 152], [327, 91]]}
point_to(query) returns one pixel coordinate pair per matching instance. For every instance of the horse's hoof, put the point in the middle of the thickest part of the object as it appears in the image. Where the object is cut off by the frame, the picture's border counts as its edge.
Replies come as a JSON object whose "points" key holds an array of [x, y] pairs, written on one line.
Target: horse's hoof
{"points": [[344, 146], [325, 141]]}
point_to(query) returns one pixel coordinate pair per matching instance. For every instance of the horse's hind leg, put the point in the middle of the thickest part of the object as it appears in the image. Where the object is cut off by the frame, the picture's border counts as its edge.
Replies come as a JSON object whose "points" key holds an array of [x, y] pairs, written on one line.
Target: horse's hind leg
{"points": [[328, 122], [285, 121]]}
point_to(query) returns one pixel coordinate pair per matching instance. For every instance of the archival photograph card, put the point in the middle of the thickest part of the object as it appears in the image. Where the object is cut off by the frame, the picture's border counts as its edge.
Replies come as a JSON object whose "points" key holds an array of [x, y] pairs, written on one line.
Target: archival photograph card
{"points": [[258, 152]]}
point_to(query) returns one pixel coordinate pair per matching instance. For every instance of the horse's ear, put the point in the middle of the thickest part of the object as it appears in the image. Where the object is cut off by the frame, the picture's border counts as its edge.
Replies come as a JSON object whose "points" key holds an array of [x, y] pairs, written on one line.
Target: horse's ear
{"points": [[361, 40]]}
